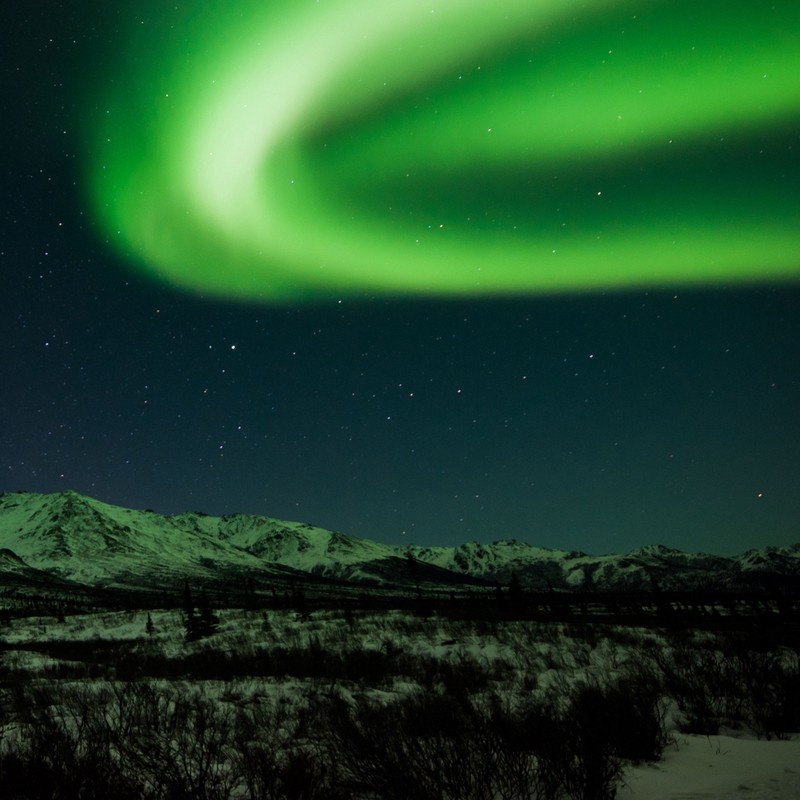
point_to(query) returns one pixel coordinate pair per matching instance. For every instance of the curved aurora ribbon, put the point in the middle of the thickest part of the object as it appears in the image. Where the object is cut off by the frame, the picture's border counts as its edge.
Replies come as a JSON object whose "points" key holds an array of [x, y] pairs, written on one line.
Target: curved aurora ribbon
{"points": [[458, 147]]}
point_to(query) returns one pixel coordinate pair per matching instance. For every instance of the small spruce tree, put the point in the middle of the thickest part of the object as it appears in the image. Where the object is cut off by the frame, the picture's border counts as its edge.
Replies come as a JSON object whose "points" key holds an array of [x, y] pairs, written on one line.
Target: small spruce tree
{"points": [[207, 620], [203, 623]]}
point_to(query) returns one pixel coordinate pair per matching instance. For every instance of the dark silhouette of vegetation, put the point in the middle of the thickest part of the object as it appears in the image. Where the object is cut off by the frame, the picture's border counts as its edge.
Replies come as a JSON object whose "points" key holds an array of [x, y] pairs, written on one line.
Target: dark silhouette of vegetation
{"points": [[137, 740], [739, 682], [201, 623], [136, 719]]}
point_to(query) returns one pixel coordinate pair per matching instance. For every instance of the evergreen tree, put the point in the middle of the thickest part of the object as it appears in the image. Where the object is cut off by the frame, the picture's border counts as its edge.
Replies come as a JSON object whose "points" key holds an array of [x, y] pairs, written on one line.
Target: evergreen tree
{"points": [[207, 619], [204, 622]]}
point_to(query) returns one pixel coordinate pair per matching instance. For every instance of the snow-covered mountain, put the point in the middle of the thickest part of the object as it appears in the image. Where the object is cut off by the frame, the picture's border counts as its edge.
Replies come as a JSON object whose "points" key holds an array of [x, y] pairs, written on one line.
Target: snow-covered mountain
{"points": [[78, 539], [644, 569], [81, 539]]}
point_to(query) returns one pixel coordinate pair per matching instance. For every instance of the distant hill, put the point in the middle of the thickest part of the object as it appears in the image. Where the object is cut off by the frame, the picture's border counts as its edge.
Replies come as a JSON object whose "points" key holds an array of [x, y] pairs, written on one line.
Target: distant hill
{"points": [[72, 539]]}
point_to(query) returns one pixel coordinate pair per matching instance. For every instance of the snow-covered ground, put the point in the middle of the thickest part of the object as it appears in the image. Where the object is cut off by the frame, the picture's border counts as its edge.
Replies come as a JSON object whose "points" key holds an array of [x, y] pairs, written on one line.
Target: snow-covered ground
{"points": [[719, 768]]}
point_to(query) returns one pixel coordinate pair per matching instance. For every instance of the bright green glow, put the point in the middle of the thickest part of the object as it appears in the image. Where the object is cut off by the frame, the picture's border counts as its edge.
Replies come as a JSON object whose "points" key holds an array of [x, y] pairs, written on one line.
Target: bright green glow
{"points": [[459, 147]]}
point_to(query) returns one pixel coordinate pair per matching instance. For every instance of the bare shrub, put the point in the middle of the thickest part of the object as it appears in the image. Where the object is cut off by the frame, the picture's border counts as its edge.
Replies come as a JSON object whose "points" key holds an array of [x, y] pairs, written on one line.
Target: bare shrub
{"points": [[126, 741], [271, 759], [770, 684], [635, 714], [694, 677], [736, 682], [419, 748], [446, 747], [53, 755]]}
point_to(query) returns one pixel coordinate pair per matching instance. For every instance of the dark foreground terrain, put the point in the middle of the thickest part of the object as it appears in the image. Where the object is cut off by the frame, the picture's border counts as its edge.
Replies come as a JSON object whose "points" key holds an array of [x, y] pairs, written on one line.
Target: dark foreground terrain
{"points": [[500, 694]]}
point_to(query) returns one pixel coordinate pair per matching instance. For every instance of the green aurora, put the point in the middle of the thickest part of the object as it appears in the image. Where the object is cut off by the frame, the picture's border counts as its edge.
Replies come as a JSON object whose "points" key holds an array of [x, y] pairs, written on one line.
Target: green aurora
{"points": [[286, 150]]}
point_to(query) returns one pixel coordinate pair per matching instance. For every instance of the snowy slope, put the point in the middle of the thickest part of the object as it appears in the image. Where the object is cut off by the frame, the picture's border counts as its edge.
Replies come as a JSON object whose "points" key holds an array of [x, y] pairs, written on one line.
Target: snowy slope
{"points": [[95, 543], [15, 572]]}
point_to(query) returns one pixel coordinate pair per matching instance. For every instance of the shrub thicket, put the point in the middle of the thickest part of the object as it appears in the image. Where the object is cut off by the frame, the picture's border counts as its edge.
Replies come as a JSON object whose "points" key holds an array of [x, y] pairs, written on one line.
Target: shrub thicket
{"points": [[735, 683], [137, 740]]}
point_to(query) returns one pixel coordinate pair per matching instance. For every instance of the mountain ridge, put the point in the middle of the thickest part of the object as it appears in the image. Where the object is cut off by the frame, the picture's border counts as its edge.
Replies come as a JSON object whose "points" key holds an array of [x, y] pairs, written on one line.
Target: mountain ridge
{"points": [[80, 539]]}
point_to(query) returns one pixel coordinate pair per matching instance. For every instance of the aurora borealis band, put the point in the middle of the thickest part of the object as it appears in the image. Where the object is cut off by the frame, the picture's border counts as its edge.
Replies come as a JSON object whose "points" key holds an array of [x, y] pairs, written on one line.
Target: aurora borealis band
{"points": [[297, 149], [268, 257]]}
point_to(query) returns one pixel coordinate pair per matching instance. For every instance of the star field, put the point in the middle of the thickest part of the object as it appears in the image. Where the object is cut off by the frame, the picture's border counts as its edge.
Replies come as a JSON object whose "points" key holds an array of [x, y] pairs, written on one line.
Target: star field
{"points": [[600, 421]]}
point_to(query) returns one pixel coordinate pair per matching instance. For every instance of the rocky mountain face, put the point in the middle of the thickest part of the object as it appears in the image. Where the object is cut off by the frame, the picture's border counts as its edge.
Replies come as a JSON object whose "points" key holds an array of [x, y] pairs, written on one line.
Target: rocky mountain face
{"points": [[78, 540]]}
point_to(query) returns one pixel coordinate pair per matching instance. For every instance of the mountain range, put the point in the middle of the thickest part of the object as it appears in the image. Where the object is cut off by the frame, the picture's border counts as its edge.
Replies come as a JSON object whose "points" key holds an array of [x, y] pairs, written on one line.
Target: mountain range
{"points": [[72, 540]]}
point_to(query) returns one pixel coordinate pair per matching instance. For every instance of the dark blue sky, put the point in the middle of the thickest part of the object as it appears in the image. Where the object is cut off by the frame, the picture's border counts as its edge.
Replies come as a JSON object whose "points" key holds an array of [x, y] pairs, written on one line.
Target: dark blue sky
{"points": [[594, 422]]}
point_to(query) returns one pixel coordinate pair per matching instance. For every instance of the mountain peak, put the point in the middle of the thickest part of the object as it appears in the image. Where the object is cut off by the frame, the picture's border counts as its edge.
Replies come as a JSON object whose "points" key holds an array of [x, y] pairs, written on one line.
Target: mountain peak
{"points": [[658, 550]]}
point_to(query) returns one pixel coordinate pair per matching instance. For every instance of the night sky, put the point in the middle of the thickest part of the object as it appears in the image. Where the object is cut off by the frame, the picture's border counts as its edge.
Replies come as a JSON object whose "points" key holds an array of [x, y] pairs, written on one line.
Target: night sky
{"points": [[363, 312]]}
